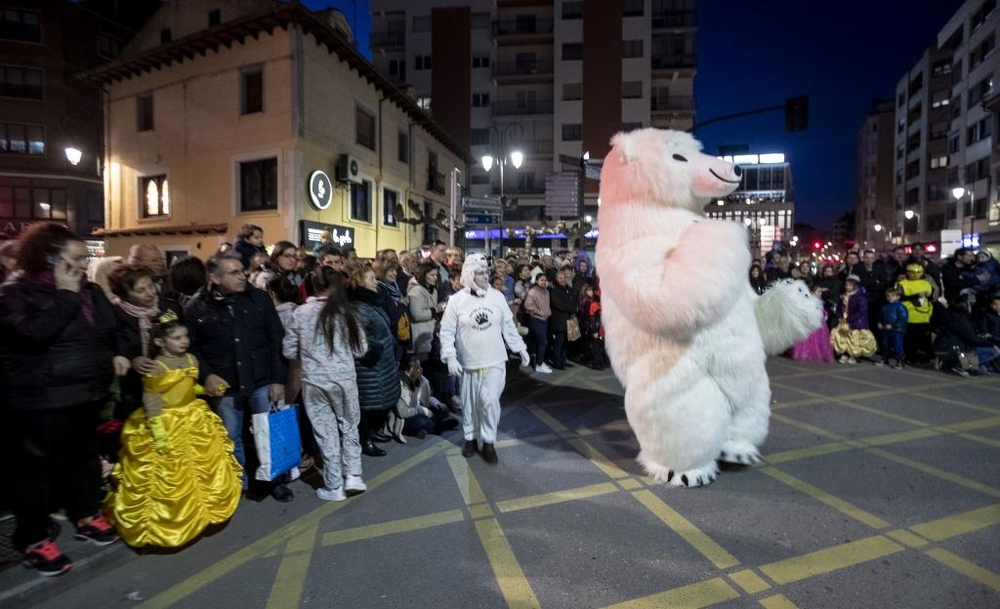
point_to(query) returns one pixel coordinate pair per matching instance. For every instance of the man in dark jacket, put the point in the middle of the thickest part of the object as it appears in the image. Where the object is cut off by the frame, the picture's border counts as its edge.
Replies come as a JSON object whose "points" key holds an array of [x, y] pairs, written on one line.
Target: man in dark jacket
{"points": [[958, 274], [872, 277], [236, 334], [564, 303]]}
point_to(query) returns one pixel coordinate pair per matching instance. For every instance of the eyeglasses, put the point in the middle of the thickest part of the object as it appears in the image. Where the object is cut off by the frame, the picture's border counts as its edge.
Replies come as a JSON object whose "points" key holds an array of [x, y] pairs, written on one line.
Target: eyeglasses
{"points": [[289, 254], [235, 273]]}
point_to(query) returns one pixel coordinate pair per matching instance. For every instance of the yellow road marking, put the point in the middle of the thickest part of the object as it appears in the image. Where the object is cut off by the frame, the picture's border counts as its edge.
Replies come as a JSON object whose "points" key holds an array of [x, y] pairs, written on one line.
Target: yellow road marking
{"points": [[959, 524], [947, 400], [467, 483], [692, 596], [513, 584], [977, 424], [290, 579], [683, 527], [482, 510], [824, 497], [939, 473], [881, 413], [907, 538], [777, 601], [902, 436], [806, 426], [545, 437], [804, 453], [523, 503], [830, 559], [629, 484], [599, 460], [277, 538], [980, 439], [966, 568], [549, 420], [749, 581], [392, 527]]}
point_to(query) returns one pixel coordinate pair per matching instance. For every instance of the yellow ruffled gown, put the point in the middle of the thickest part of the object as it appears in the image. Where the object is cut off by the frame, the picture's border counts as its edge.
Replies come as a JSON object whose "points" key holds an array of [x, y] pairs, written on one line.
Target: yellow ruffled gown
{"points": [[167, 499]]}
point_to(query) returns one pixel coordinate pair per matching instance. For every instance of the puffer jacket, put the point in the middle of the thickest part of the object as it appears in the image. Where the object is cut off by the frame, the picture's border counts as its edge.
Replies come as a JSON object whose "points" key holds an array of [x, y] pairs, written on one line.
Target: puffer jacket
{"points": [[237, 338], [564, 303], [51, 357], [423, 316], [378, 385]]}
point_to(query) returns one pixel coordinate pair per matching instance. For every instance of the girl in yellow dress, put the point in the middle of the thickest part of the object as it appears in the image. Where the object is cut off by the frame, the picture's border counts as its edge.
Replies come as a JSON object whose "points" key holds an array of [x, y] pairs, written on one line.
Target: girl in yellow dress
{"points": [[176, 473]]}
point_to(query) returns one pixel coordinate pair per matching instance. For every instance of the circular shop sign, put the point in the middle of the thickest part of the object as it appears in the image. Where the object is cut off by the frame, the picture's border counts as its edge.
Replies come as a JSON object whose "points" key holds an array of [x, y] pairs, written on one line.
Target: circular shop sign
{"points": [[320, 189]]}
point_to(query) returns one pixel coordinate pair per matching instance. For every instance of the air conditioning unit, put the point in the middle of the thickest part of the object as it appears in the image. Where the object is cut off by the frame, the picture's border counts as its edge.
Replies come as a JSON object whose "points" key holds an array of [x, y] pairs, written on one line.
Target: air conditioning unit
{"points": [[348, 169]]}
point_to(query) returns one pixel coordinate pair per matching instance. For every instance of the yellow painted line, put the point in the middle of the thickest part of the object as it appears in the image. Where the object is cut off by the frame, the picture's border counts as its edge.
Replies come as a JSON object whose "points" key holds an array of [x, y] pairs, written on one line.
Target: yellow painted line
{"points": [[907, 538], [277, 538], [692, 596], [804, 453], [980, 439], [290, 579], [829, 435], [549, 420], [824, 497], [545, 437], [938, 473], [882, 413], [483, 510], [959, 524], [567, 434], [392, 527], [629, 484], [683, 527], [599, 460], [513, 584], [523, 503], [777, 601], [966, 568], [947, 400], [902, 436], [749, 581], [467, 484], [975, 425], [797, 403], [830, 559]]}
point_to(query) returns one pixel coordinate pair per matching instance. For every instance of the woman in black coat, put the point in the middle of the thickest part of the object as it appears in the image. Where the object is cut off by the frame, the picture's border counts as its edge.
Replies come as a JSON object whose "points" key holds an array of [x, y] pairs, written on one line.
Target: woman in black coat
{"points": [[57, 360], [565, 303]]}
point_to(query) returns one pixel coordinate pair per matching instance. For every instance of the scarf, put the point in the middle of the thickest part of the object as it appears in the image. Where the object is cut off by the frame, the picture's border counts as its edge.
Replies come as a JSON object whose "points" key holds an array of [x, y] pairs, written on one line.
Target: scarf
{"points": [[144, 315], [392, 288]]}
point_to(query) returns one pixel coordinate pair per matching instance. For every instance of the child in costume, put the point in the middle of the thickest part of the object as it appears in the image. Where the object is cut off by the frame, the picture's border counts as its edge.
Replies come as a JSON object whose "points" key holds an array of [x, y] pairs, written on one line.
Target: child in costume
{"points": [[892, 328], [816, 347], [851, 338], [326, 335], [176, 472]]}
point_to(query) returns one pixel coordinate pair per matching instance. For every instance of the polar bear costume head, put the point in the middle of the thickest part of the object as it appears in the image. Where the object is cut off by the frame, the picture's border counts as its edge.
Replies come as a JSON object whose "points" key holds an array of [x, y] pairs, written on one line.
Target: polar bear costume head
{"points": [[664, 168], [476, 263]]}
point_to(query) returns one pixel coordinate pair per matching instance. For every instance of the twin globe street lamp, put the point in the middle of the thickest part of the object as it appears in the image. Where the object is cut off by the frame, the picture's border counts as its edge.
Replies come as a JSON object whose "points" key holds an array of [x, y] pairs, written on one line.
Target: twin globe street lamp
{"points": [[958, 192], [515, 157]]}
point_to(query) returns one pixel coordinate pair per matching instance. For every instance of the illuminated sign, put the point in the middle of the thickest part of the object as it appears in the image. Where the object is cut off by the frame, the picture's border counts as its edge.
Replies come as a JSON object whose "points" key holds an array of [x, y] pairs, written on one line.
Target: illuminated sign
{"points": [[320, 189]]}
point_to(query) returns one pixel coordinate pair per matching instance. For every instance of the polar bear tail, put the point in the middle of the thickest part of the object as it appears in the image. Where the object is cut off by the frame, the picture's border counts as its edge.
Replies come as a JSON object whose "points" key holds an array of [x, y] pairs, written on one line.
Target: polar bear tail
{"points": [[786, 314]]}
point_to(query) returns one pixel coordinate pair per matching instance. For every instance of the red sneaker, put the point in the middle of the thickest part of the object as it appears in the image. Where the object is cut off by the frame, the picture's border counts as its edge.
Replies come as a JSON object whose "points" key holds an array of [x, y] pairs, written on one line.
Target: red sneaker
{"points": [[98, 532], [46, 558]]}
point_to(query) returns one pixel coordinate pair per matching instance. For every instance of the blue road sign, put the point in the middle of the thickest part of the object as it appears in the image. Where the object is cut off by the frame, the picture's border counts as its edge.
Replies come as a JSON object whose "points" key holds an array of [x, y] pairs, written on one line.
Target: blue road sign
{"points": [[482, 218]]}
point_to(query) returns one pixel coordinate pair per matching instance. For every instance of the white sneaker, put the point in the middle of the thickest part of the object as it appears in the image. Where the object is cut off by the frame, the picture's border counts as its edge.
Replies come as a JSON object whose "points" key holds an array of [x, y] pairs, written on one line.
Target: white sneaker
{"points": [[543, 368], [354, 483], [336, 494]]}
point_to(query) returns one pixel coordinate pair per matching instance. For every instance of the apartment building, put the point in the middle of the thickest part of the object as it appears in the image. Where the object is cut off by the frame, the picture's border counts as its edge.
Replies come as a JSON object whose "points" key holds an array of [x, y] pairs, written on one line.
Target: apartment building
{"points": [[873, 177], [45, 111], [764, 201], [553, 80], [230, 112]]}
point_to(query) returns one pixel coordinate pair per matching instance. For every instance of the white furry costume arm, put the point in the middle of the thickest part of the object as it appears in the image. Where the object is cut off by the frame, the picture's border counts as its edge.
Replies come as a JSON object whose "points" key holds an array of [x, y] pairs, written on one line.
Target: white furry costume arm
{"points": [[679, 288]]}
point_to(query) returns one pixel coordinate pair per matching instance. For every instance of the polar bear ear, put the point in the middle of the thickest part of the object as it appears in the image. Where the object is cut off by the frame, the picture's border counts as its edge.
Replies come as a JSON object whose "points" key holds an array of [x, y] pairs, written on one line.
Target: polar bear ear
{"points": [[626, 143]]}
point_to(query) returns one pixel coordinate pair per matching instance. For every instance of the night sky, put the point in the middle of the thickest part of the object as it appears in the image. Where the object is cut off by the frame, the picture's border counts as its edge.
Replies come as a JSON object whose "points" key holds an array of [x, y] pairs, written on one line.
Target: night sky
{"points": [[842, 53]]}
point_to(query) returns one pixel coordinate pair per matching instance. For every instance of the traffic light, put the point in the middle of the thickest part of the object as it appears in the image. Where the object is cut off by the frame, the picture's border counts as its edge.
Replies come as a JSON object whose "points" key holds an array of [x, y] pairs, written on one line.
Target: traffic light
{"points": [[797, 113], [817, 245]]}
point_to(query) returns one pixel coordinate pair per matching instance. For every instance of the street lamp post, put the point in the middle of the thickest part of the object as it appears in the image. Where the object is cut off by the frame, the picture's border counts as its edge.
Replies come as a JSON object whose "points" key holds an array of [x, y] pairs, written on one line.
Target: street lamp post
{"points": [[958, 192], [516, 158], [909, 215]]}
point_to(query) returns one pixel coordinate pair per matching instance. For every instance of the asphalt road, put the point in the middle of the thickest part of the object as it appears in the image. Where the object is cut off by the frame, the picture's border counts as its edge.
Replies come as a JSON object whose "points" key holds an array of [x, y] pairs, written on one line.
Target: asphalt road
{"points": [[881, 488]]}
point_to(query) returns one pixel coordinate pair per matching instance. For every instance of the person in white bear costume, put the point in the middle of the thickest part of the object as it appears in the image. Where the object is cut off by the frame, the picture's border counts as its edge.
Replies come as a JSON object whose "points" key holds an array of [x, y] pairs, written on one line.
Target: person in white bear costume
{"points": [[685, 333], [476, 322]]}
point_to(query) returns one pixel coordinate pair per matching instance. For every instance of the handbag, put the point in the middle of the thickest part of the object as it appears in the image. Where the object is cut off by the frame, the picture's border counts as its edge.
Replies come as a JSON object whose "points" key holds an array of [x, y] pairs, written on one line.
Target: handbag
{"points": [[572, 329], [967, 361], [276, 435]]}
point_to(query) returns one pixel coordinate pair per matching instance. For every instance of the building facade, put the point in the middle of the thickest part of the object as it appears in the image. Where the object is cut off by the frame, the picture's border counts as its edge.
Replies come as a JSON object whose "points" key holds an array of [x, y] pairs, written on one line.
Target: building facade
{"points": [[873, 177], [542, 78], [225, 113], [44, 111], [764, 201]]}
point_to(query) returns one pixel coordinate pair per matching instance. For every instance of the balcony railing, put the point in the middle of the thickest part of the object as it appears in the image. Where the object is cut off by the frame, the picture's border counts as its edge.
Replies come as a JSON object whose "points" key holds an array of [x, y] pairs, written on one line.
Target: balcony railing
{"points": [[522, 68], [666, 62], [435, 181], [508, 108], [381, 40], [675, 19], [671, 103], [522, 27]]}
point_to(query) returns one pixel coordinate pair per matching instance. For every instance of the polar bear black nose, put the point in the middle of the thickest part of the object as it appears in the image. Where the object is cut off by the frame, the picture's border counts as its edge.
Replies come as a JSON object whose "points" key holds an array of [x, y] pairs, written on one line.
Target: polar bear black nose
{"points": [[737, 170]]}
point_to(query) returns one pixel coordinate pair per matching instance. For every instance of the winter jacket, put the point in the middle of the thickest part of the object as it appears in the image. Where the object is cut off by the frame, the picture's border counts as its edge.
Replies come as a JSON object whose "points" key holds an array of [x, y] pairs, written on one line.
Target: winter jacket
{"points": [[895, 315], [855, 309], [958, 331], [51, 357], [378, 385], [956, 279], [564, 305], [237, 338], [423, 313], [304, 340], [247, 251], [873, 281], [537, 304], [988, 322]]}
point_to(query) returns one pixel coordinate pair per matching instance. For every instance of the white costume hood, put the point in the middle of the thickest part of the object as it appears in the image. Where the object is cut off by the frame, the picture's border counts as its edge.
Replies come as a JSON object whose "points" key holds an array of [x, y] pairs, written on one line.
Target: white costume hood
{"points": [[473, 263]]}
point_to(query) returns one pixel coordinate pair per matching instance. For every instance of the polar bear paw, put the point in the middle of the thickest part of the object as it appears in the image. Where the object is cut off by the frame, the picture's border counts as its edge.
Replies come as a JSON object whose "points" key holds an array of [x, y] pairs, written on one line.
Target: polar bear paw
{"points": [[699, 476], [742, 453]]}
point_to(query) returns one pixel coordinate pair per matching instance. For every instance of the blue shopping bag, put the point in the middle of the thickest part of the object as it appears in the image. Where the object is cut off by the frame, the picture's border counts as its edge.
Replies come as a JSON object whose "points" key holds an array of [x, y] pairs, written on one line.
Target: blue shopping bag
{"points": [[279, 447]]}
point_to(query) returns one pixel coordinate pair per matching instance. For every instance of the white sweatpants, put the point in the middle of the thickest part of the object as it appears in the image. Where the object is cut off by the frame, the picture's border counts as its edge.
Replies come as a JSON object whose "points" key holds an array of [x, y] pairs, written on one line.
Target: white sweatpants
{"points": [[480, 391]]}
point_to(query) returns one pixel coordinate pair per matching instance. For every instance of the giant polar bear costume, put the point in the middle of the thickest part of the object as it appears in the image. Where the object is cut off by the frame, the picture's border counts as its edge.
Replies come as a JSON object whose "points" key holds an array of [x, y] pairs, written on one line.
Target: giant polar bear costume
{"points": [[686, 334]]}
